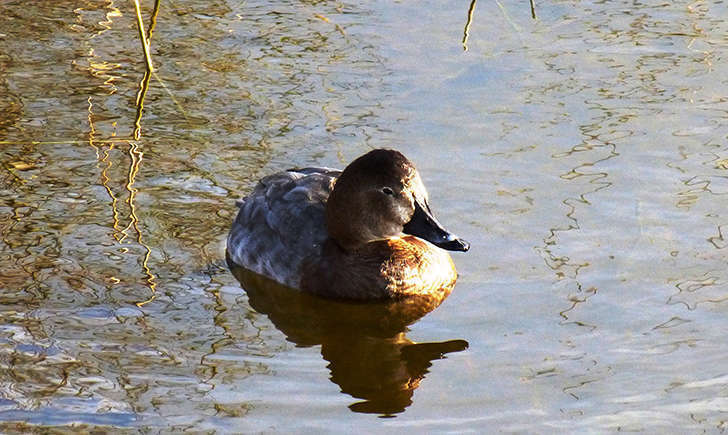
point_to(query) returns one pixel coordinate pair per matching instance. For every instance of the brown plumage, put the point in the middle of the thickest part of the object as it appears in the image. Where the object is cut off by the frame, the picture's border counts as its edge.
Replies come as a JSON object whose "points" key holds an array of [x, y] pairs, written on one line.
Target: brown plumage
{"points": [[365, 233]]}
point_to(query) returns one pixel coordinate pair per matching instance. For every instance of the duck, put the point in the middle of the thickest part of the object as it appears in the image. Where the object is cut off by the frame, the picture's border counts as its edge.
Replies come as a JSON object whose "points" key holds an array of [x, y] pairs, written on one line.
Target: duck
{"points": [[365, 233]]}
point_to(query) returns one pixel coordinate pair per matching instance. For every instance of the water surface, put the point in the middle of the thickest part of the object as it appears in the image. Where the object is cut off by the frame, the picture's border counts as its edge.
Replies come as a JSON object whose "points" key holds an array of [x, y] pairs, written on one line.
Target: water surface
{"points": [[583, 154]]}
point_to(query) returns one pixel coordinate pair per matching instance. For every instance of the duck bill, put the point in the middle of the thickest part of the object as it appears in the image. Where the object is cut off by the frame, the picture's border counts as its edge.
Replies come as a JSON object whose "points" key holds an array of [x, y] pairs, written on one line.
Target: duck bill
{"points": [[424, 225]]}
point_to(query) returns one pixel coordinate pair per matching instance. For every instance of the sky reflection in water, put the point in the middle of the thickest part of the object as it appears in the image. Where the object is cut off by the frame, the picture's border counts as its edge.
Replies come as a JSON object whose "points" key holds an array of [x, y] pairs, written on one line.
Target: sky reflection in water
{"points": [[583, 154]]}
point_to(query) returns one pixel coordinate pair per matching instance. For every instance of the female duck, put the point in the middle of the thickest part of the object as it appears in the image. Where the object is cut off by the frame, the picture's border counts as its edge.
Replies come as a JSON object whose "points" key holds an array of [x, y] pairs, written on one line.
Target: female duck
{"points": [[364, 233]]}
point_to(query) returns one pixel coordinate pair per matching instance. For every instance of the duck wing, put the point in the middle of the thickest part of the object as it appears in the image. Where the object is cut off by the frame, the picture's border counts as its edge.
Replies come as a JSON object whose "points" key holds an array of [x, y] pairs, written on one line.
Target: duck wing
{"points": [[281, 223]]}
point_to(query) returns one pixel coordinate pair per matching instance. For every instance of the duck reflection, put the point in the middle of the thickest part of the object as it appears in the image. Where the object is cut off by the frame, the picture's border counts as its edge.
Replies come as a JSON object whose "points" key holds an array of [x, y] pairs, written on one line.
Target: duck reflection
{"points": [[369, 355]]}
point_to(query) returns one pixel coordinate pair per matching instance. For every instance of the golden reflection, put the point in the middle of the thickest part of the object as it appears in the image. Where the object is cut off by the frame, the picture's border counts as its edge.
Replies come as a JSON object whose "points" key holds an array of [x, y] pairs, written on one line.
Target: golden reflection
{"points": [[103, 152], [369, 354], [101, 69], [146, 40], [105, 182], [12, 170], [466, 32], [119, 234], [143, 86], [136, 159], [135, 154], [103, 157], [59, 142], [153, 21]]}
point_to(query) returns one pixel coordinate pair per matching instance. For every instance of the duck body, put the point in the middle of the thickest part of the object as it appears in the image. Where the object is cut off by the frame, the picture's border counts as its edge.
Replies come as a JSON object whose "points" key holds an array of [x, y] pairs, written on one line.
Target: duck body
{"points": [[358, 234], [282, 223]]}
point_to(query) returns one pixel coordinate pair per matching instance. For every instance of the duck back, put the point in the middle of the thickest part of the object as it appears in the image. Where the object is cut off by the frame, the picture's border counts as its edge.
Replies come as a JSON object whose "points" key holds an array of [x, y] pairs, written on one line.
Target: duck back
{"points": [[282, 223]]}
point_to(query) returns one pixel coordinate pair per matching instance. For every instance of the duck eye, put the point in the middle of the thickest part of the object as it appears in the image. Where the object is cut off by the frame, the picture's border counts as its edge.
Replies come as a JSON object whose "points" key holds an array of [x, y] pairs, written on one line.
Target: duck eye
{"points": [[387, 191]]}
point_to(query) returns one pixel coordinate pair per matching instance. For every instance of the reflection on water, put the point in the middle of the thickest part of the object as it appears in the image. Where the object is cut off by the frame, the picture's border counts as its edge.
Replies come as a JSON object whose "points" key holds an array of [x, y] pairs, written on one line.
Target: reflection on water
{"points": [[135, 154], [583, 153], [369, 355], [466, 32]]}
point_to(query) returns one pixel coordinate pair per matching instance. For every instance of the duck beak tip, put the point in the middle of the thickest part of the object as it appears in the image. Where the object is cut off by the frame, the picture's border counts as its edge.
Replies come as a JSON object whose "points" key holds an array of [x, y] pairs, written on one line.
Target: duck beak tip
{"points": [[424, 225], [457, 244], [465, 245]]}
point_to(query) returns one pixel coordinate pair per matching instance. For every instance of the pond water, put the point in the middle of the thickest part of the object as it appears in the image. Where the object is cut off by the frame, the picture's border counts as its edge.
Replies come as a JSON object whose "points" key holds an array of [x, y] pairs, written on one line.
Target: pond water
{"points": [[584, 154]]}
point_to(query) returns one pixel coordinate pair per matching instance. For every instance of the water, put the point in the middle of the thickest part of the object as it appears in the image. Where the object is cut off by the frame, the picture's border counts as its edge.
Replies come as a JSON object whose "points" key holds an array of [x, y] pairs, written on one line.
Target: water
{"points": [[582, 154]]}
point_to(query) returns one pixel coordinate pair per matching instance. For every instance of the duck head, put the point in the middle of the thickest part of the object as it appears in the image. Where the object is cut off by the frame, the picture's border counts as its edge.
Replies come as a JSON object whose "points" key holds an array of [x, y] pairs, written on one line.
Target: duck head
{"points": [[381, 195]]}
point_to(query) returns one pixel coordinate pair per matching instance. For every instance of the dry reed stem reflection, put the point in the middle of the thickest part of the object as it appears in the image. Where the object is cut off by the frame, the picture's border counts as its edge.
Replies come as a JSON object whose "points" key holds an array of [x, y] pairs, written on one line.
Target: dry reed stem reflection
{"points": [[143, 87], [466, 32], [135, 158], [471, 9], [135, 154], [63, 142]]}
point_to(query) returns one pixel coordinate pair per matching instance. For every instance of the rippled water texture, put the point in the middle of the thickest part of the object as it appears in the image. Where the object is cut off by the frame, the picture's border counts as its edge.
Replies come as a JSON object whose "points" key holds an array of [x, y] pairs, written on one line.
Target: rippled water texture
{"points": [[584, 154]]}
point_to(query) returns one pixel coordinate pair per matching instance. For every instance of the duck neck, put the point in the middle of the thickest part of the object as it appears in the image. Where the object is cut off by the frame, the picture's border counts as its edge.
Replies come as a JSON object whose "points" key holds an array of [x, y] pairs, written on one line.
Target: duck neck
{"points": [[347, 244]]}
